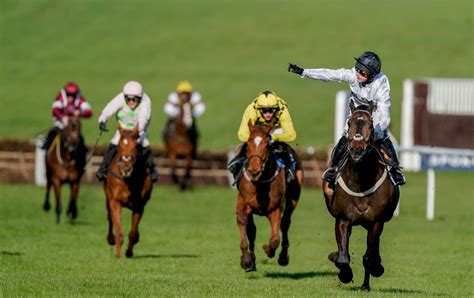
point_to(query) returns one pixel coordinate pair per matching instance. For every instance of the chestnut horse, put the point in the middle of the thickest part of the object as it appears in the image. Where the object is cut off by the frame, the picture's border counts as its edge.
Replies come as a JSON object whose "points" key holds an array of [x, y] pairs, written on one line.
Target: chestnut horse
{"points": [[129, 185], [263, 190], [65, 161], [364, 195], [179, 144]]}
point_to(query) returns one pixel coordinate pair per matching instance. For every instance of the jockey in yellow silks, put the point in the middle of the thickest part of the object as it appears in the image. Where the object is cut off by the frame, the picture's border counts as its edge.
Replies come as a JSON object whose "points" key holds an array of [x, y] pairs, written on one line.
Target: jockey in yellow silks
{"points": [[268, 109]]}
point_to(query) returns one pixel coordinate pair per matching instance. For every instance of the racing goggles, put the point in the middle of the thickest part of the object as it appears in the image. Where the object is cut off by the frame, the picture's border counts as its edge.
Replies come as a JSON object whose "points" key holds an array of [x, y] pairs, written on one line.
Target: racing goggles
{"points": [[133, 98], [363, 73]]}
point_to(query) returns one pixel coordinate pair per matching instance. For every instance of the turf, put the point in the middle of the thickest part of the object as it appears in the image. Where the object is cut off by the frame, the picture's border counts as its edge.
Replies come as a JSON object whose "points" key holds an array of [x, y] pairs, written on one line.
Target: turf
{"points": [[189, 246], [230, 50]]}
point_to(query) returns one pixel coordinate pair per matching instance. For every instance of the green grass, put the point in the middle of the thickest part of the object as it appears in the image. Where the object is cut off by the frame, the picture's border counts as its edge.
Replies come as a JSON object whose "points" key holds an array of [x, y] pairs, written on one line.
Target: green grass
{"points": [[189, 246], [230, 50]]}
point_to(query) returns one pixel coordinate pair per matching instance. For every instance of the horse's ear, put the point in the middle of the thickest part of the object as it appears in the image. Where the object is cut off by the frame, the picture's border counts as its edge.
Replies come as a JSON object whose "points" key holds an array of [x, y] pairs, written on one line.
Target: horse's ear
{"points": [[268, 128], [352, 106], [371, 107], [120, 129], [135, 131], [250, 124]]}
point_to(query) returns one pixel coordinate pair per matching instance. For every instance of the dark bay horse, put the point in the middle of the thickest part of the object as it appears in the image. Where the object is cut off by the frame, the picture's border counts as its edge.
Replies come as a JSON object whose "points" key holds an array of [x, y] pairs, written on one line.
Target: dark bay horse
{"points": [[263, 191], [129, 185], [364, 195], [179, 143], [65, 162]]}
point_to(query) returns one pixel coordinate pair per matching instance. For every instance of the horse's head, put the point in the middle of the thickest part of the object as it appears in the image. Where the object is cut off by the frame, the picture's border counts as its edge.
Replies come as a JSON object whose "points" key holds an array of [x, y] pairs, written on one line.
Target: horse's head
{"points": [[360, 131], [72, 133], [185, 116], [127, 150], [257, 150]]}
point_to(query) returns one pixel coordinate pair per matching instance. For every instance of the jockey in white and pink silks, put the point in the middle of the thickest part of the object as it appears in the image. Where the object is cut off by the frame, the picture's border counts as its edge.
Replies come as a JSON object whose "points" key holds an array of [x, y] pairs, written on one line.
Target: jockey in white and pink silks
{"points": [[68, 102], [367, 84], [131, 107]]}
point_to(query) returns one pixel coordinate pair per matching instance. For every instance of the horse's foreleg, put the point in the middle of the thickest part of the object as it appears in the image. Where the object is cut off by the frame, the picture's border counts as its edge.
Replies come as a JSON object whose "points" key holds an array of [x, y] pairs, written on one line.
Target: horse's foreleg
{"points": [[173, 168], [290, 205], [343, 232], [275, 221], [371, 260], [247, 259], [110, 235], [187, 175], [72, 209], [46, 205], [134, 236], [115, 209], [57, 194]]}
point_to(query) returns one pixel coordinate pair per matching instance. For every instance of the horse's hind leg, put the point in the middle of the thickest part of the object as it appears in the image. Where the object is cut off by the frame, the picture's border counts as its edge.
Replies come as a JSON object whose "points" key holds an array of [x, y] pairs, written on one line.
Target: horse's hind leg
{"points": [[342, 261], [290, 205], [275, 221], [46, 205], [244, 217], [72, 209], [371, 260], [172, 158], [134, 236]]}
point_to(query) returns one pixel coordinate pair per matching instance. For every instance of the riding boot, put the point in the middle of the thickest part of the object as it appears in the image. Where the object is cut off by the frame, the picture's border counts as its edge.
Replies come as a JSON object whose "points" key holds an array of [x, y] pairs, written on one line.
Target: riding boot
{"points": [[392, 161], [331, 173], [235, 165], [81, 154], [150, 163], [282, 151], [101, 173], [50, 137]]}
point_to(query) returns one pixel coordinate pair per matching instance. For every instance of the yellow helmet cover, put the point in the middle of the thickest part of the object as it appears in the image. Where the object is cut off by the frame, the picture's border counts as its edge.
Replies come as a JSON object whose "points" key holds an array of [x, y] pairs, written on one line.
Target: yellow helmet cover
{"points": [[266, 99], [184, 86]]}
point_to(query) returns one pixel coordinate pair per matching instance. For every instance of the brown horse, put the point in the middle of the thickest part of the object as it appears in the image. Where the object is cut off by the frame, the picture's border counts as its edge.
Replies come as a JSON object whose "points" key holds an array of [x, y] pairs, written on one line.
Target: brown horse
{"points": [[364, 195], [129, 185], [65, 161], [179, 143], [263, 191]]}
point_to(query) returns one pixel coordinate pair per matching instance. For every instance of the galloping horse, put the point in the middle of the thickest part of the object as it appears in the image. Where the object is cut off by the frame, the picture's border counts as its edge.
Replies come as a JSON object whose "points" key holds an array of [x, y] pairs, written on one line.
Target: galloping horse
{"points": [[263, 191], [179, 144], [65, 163], [129, 185], [364, 195]]}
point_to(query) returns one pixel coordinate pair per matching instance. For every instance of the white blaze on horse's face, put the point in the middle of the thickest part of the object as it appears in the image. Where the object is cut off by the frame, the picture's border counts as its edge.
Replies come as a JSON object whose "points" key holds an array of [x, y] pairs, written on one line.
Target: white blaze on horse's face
{"points": [[125, 141], [257, 141]]}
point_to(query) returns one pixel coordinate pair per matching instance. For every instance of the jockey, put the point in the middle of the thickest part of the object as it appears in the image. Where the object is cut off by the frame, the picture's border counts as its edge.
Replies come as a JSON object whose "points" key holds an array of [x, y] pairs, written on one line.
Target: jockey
{"points": [[268, 109], [69, 102], [368, 84], [184, 93], [131, 107]]}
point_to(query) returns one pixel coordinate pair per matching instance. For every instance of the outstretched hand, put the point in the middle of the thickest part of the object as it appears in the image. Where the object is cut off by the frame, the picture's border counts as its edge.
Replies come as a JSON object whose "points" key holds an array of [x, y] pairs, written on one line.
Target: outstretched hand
{"points": [[295, 68]]}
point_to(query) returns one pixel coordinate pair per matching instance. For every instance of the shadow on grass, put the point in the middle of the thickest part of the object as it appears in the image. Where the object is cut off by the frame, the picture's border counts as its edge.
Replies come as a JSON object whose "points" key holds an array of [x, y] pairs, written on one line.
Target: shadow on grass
{"points": [[299, 275], [11, 253], [151, 256], [397, 291]]}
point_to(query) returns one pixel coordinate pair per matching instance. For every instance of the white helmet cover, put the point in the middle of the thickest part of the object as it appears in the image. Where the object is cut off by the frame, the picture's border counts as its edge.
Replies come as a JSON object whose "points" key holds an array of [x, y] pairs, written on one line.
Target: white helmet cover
{"points": [[133, 88]]}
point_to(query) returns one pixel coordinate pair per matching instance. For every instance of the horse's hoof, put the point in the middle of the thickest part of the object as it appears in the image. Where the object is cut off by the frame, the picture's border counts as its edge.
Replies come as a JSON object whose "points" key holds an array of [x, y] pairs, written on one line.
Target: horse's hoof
{"points": [[111, 239], [365, 288], [268, 251], [129, 253], [283, 260], [333, 256], [46, 207], [377, 270], [345, 272]]}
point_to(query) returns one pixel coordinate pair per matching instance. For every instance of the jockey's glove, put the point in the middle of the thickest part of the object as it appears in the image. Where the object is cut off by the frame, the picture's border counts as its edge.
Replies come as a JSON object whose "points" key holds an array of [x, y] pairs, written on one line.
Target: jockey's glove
{"points": [[102, 126], [295, 68]]}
